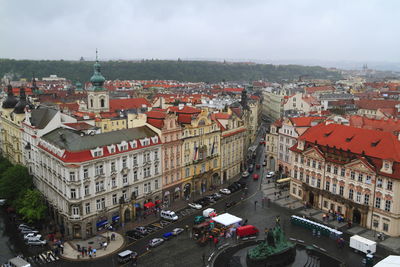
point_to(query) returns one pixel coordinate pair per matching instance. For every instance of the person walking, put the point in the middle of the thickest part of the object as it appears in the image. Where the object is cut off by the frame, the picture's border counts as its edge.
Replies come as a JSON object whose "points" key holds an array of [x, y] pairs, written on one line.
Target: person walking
{"points": [[255, 204]]}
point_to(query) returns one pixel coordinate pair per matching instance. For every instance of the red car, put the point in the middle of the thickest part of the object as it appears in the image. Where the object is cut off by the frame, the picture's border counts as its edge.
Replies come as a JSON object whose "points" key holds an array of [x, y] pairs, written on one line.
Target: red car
{"points": [[256, 176], [258, 166]]}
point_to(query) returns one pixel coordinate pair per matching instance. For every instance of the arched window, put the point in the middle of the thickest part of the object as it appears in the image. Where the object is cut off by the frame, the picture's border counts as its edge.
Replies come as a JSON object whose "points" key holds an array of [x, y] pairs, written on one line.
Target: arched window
{"points": [[91, 103], [102, 103]]}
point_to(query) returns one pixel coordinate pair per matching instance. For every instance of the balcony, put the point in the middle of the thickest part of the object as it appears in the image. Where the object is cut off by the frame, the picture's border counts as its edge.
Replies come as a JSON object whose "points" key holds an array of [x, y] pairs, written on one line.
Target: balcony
{"points": [[75, 217]]}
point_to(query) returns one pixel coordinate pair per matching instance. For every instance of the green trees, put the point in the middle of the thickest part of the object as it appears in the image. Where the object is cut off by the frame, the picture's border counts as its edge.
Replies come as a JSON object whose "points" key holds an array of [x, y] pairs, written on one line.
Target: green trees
{"points": [[16, 186], [31, 206], [193, 71], [14, 182]]}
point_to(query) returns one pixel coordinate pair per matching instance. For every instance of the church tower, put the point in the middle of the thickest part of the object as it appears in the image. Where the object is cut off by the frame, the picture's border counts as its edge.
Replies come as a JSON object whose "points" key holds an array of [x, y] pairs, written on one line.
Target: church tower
{"points": [[98, 96]]}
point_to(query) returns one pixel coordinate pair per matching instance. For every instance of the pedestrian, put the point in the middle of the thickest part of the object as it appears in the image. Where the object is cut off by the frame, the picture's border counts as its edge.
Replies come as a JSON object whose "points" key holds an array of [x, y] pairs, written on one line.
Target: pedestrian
{"points": [[62, 248], [105, 245], [83, 253], [112, 236], [255, 204], [94, 252], [262, 202]]}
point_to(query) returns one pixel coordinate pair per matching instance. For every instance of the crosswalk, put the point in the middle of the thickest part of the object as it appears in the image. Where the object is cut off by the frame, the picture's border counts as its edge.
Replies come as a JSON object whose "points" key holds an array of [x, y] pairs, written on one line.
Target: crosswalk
{"points": [[42, 258]]}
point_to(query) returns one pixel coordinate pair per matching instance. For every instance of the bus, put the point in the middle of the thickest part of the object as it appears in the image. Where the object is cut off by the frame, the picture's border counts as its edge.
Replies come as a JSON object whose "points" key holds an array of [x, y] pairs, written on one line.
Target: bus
{"points": [[283, 183], [251, 153]]}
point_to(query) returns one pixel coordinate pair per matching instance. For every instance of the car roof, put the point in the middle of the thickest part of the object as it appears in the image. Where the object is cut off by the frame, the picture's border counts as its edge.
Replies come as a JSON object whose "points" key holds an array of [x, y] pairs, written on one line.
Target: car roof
{"points": [[125, 253]]}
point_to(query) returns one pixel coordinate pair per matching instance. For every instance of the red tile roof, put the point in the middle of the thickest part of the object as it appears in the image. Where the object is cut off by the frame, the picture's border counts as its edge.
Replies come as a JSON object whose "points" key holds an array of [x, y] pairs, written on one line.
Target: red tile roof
{"points": [[305, 121], [373, 143], [158, 123], [155, 114], [184, 110], [311, 90], [185, 118], [376, 104], [79, 125], [130, 103], [387, 125]]}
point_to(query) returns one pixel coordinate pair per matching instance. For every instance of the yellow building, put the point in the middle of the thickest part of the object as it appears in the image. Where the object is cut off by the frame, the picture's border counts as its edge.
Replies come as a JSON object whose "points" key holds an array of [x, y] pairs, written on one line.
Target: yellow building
{"points": [[13, 114], [111, 124], [201, 151]]}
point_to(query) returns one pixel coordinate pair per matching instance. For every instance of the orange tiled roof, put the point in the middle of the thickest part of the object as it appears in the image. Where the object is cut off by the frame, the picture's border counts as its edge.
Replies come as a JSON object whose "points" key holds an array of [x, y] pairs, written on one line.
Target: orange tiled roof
{"points": [[130, 103], [373, 143], [305, 121]]}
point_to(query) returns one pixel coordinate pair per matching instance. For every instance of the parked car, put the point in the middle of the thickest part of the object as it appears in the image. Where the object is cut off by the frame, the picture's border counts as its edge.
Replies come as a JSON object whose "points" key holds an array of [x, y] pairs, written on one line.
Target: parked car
{"points": [[242, 183], [142, 230], [202, 202], [239, 185], [167, 236], [169, 215], [245, 174], [32, 235], [230, 204], [133, 233], [225, 191], [177, 231], [21, 226], [155, 242], [196, 206], [127, 256], [210, 199], [251, 168], [216, 196], [28, 230], [36, 242], [270, 174], [258, 166], [256, 176]]}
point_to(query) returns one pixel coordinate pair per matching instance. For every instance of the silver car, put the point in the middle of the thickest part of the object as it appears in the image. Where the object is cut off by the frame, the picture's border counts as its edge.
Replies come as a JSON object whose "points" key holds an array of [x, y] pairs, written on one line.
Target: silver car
{"points": [[36, 242], [155, 242], [177, 231]]}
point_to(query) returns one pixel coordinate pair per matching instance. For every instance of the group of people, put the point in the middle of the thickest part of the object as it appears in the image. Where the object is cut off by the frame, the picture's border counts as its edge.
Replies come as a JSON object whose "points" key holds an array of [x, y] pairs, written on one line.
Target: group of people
{"points": [[91, 252], [334, 216]]}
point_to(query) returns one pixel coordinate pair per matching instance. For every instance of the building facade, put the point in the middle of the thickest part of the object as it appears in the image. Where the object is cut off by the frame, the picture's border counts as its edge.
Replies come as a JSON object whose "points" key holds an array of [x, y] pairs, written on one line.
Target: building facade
{"points": [[91, 181], [201, 154], [351, 171]]}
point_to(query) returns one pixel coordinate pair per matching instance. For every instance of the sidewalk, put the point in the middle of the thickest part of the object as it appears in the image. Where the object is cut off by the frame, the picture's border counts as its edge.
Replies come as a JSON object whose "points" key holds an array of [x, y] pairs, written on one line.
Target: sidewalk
{"points": [[71, 247], [391, 244]]}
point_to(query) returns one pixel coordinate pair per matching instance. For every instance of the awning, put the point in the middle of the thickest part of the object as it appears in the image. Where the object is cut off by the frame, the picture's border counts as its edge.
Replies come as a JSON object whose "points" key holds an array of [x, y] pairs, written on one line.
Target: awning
{"points": [[149, 205], [101, 223], [284, 180], [166, 193], [115, 218], [137, 205], [227, 219]]}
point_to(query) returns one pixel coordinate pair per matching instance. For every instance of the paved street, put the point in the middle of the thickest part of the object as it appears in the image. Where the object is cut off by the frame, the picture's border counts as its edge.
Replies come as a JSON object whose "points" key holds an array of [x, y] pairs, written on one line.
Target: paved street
{"points": [[183, 251]]}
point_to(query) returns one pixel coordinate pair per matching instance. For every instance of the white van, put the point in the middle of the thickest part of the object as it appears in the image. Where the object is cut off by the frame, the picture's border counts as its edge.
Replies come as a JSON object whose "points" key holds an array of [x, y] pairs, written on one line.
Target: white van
{"points": [[208, 212], [169, 215], [18, 262]]}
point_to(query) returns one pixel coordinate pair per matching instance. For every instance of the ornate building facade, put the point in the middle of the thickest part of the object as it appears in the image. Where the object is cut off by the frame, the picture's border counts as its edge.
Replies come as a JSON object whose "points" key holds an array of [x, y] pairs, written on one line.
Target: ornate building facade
{"points": [[352, 171]]}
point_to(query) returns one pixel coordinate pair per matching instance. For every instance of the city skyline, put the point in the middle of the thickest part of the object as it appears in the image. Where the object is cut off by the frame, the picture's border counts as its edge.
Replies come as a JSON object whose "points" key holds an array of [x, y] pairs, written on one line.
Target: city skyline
{"points": [[272, 31]]}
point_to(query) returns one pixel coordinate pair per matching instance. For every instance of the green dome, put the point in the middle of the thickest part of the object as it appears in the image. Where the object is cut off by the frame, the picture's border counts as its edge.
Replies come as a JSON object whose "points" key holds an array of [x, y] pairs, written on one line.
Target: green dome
{"points": [[97, 79]]}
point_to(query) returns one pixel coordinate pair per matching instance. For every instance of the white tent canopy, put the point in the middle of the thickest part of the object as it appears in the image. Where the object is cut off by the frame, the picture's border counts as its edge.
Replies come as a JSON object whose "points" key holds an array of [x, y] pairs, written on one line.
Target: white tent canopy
{"points": [[227, 219], [389, 261]]}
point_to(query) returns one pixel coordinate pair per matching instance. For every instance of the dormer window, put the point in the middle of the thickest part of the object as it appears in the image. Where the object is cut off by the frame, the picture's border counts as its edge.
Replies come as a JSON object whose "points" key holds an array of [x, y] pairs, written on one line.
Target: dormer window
{"points": [[300, 145], [111, 149], [123, 146], [98, 152], [133, 143], [154, 139], [145, 142], [387, 166]]}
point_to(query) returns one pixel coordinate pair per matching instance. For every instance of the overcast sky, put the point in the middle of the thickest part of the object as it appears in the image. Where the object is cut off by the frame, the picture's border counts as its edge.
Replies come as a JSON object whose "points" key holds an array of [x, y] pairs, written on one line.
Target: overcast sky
{"points": [[365, 30]]}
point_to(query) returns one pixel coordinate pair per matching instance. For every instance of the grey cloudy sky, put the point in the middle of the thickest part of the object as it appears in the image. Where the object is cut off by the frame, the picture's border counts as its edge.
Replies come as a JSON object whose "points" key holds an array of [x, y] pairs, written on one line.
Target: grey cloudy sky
{"points": [[231, 29]]}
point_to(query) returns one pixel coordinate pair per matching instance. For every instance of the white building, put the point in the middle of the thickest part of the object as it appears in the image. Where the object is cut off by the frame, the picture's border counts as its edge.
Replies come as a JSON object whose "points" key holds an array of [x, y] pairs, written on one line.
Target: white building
{"points": [[93, 180]]}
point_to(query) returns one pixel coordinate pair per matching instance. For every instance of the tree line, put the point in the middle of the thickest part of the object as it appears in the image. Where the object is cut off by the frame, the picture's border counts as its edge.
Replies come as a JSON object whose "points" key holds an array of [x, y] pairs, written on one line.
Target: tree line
{"points": [[191, 71], [16, 186]]}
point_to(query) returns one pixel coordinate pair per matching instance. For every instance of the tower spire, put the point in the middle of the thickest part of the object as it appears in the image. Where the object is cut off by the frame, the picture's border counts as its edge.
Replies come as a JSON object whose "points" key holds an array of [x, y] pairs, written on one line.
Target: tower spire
{"points": [[97, 58]]}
